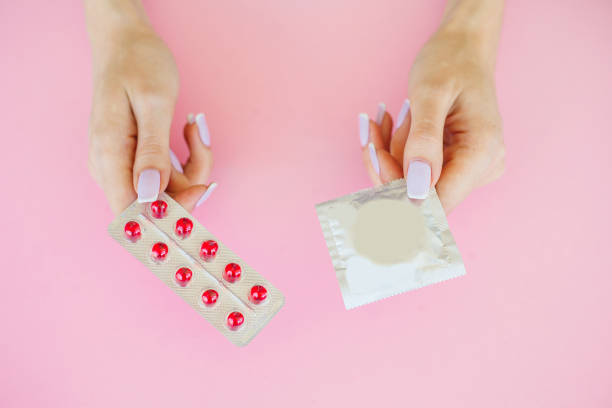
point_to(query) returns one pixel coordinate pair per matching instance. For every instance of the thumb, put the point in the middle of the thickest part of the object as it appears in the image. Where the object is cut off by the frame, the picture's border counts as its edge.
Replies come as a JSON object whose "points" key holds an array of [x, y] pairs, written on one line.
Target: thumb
{"points": [[423, 152], [152, 161]]}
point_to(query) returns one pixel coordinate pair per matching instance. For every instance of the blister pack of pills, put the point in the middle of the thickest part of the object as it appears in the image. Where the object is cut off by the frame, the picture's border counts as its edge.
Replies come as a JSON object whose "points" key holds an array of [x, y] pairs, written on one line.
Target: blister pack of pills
{"points": [[211, 278], [382, 243]]}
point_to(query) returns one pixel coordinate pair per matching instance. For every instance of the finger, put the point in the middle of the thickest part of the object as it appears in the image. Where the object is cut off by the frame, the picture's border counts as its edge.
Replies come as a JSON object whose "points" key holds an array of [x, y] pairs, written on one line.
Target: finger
{"points": [[400, 135], [199, 165], [153, 113], [194, 196], [370, 131], [471, 161], [178, 182], [364, 129], [423, 151], [112, 145], [176, 163], [115, 168], [459, 177], [381, 166], [384, 121]]}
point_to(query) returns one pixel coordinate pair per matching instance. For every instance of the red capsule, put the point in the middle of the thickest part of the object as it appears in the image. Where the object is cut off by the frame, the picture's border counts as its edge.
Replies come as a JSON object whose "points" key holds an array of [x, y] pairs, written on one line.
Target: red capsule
{"points": [[159, 208], [159, 251], [208, 250], [258, 294], [183, 227], [235, 320], [210, 297], [232, 272], [183, 276], [132, 231]]}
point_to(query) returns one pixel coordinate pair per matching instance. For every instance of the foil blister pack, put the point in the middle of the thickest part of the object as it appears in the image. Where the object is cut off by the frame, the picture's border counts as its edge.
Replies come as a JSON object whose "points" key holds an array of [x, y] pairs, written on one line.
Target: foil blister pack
{"points": [[211, 278], [382, 243]]}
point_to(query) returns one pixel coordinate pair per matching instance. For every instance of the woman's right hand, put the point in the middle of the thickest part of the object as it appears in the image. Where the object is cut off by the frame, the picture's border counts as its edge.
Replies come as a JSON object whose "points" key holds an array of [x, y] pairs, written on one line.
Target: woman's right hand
{"points": [[449, 134], [135, 86]]}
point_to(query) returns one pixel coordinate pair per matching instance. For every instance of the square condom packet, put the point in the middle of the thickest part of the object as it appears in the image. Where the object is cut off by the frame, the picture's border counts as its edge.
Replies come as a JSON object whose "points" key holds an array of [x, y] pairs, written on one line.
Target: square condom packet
{"points": [[382, 243]]}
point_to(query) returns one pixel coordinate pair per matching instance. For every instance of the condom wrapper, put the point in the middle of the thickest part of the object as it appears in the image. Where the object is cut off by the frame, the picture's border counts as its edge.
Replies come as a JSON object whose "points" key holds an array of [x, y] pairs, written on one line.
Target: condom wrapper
{"points": [[382, 243], [192, 262]]}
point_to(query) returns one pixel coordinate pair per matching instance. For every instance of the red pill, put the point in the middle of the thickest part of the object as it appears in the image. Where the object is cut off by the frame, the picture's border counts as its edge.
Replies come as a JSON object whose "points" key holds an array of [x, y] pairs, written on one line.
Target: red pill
{"points": [[208, 250], [159, 208], [210, 297], [183, 276], [132, 231], [183, 227], [159, 251], [258, 294], [235, 320], [232, 272]]}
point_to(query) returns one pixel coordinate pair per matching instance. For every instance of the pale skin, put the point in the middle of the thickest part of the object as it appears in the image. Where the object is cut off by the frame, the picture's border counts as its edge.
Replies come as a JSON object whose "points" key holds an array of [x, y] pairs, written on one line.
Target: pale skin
{"points": [[135, 86], [453, 124]]}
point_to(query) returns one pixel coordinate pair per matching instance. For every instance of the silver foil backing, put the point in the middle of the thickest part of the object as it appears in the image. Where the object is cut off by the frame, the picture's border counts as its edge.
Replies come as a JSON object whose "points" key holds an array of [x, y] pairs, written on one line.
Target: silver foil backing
{"points": [[382, 243]]}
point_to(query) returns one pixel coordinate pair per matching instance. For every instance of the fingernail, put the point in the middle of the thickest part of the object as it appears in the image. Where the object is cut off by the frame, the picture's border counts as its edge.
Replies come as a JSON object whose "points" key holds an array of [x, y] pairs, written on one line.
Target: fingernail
{"points": [[175, 162], [190, 119], [402, 114], [148, 185], [364, 128], [382, 108], [203, 128], [418, 179], [374, 158], [207, 194]]}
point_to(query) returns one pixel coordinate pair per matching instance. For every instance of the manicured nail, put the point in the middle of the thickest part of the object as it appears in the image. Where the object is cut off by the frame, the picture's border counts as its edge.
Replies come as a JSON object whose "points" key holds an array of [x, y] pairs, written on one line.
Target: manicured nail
{"points": [[382, 108], [207, 194], [190, 119], [148, 185], [374, 158], [402, 114], [418, 179], [364, 128], [175, 162], [203, 128]]}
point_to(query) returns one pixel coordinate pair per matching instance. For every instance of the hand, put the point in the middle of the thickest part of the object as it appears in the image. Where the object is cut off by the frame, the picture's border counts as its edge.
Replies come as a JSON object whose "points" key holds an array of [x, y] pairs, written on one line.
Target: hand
{"points": [[449, 133], [135, 89]]}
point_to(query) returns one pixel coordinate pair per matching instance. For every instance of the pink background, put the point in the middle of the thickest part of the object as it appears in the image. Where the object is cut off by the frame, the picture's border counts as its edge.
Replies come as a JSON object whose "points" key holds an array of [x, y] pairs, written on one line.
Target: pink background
{"points": [[282, 82]]}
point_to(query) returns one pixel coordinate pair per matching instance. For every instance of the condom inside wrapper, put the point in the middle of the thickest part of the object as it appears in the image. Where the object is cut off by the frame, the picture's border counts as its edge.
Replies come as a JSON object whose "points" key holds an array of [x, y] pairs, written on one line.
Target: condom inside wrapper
{"points": [[383, 244]]}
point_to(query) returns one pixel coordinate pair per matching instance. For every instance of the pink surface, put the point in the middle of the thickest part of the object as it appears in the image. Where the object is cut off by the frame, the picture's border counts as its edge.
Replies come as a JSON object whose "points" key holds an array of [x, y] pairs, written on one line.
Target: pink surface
{"points": [[84, 324]]}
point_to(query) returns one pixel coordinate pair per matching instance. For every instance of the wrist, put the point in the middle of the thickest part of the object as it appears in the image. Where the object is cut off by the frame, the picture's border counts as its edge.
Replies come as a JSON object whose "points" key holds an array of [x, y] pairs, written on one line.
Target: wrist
{"points": [[477, 23], [110, 21]]}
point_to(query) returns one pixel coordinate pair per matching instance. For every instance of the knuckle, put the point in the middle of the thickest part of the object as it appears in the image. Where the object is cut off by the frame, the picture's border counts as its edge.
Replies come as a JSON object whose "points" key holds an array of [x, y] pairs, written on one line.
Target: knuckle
{"points": [[151, 149], [496, 152], [434, 89], [156, 93], [426, 130], [102, 142]]}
